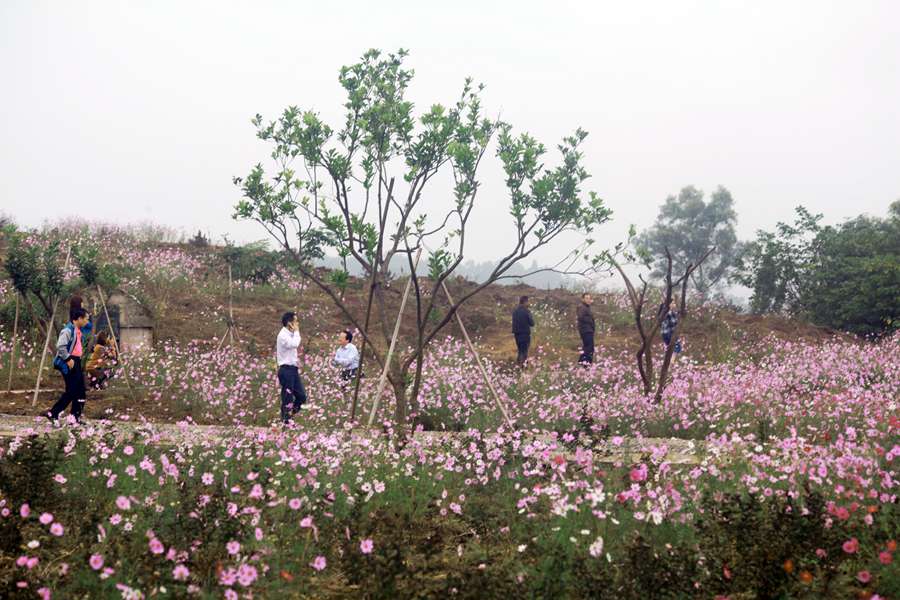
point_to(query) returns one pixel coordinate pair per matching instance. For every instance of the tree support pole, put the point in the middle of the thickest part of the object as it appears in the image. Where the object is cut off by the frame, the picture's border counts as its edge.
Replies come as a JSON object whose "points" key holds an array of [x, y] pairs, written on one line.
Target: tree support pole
{"points": [[387, 360], [37, 383], [477, 357], [230, 310], [115, 343]]}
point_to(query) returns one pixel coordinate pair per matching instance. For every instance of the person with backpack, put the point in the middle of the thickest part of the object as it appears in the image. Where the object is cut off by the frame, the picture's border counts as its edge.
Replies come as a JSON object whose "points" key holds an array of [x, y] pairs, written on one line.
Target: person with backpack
{"points": [[69, 352], [522, 322], [668, 322]]}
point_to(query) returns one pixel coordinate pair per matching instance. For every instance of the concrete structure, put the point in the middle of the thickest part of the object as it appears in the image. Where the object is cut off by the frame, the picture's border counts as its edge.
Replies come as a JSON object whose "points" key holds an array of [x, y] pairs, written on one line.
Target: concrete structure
{"points": [[131, 321]]}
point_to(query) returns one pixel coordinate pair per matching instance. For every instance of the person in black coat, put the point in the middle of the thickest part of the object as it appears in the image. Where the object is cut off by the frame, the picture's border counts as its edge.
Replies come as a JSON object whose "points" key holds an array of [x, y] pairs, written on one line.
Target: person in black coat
{"points": [[586, 329], [522, 322]]}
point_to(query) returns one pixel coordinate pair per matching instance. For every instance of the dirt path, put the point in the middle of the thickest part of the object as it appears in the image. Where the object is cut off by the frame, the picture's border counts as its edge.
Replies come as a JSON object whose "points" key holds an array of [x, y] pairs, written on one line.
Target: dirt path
{"points": [[630, 450]]}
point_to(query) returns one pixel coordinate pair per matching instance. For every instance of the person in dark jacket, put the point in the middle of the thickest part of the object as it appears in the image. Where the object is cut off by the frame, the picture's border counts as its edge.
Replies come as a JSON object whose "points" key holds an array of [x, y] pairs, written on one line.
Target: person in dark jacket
{"points": [[586, 329], [522, 322], [668, 316]]}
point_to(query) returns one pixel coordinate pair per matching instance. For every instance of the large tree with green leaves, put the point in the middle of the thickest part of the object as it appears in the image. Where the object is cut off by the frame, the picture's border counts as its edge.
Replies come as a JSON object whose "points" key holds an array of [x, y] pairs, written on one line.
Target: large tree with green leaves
{"points": [[776, 265], [686, 228], [364, 190], [855, 285], [845, 277]]}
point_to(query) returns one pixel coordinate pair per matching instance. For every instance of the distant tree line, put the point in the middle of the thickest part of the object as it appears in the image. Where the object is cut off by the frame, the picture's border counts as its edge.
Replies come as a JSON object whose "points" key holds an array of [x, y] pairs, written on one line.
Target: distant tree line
{"points": [[845, 277]]}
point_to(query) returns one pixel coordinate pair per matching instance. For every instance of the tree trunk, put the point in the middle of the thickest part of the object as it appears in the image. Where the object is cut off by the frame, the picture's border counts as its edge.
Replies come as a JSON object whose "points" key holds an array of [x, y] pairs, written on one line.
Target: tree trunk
{"points": [[400, 395], [15, 338], [37, 383]]}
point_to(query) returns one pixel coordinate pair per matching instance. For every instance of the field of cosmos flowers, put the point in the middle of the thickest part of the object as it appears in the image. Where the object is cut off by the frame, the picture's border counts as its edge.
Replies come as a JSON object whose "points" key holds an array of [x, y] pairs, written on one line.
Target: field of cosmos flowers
{"points": [[792, 490]]}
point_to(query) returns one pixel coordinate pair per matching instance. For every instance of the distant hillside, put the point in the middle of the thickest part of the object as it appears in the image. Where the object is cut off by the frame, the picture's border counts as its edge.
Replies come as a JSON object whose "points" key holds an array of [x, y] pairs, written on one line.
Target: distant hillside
{"points": [[471, 270]]}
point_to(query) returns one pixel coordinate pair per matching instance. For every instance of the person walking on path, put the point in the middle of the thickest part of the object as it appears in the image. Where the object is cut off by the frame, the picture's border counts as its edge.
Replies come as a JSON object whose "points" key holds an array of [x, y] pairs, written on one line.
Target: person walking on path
{"points": [[287, 345], [586, 328], [347, 356], [69, 351], [522, 322]]}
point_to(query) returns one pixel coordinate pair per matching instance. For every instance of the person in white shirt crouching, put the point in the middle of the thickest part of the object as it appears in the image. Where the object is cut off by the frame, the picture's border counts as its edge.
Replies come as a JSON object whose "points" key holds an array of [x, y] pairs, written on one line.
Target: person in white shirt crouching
{"points": [[287, 345], [347, 356]]}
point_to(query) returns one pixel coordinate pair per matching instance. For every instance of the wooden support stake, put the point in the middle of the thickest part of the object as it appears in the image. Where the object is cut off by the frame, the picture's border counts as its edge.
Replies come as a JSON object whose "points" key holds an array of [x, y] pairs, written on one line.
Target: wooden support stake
{"points": [[387, 359], [15, 338], [37, 384], [230, 310], [112, 333], [475, 354]]}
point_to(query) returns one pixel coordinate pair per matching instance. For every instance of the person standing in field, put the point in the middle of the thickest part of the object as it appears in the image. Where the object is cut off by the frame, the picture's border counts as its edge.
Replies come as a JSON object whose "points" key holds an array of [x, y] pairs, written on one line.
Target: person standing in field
{"points": [[346, 356], [69, 351], [669, 321], [586, 326], [287, 346], [522, 322]]}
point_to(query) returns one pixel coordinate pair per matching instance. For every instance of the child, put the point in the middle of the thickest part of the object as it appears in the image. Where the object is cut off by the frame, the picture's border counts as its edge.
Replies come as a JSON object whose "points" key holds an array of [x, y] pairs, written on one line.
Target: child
{"points": [[99, 365]]}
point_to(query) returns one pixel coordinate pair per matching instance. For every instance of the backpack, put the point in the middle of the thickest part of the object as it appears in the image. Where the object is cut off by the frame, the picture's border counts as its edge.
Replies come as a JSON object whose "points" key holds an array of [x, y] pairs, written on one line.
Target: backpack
{"points": [[58, 363]]}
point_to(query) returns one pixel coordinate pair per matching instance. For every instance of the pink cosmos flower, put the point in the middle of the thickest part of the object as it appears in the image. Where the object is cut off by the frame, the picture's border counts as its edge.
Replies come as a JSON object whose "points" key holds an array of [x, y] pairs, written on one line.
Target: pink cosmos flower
{"points": [[885, 557], [366, 546], [294, 503], [246, 575], [306, 522], [45, 518], [228, 577], [156, 547], [44, 593], [96, 561], [57, 529], [864, 576], [851, 546], [180, 573], [638, 474], [233, 547], [123, 503], [319, 563], [24, 511]]}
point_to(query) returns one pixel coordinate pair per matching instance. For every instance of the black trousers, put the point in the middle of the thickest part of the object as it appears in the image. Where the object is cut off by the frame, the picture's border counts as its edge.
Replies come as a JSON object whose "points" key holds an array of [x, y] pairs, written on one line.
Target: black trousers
{"points": [[293, 396], [75, 392], [523, 341], [348, 374], [587, 348]]}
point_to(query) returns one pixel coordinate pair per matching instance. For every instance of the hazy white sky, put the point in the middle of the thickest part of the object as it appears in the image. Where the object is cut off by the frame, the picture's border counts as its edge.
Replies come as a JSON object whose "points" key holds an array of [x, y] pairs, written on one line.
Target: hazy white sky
{"points": [[126, 111]]}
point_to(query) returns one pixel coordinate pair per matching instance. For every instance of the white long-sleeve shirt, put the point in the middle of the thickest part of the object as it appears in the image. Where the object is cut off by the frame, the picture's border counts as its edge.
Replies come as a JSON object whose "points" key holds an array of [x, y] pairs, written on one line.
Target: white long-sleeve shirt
{"points": [[347, 356], [286, 347]]}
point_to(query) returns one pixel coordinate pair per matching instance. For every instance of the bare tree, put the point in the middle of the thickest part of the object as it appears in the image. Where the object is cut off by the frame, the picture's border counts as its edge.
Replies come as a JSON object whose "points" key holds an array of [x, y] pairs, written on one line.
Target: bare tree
{"points": [[648, 326]]}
